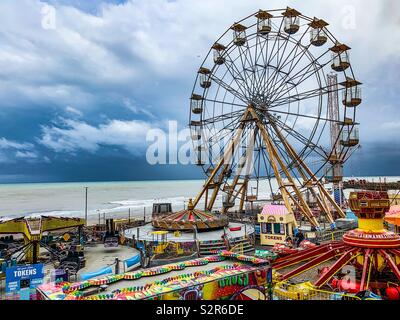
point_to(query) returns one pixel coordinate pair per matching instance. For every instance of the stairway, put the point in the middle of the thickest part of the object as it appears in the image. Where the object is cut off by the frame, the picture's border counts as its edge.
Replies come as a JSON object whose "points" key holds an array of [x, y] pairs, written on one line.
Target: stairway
{"points": [[243, 246], [206, 247]]}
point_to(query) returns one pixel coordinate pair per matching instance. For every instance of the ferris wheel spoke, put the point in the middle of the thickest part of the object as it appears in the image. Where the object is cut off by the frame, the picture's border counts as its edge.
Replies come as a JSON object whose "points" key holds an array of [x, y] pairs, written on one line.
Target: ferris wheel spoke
{"points": [[227, 128], [312, 62], [271, 84], [226, 102], [308, 72], [279, 67], [293, 64], [258, 51], [272, 56], [223, 117], [293, 160], [300, 138], [307, 116], [300, 97], [228, 88], [268, 167], [237, 75], [264, 49], [249, 66], [222, 135]]}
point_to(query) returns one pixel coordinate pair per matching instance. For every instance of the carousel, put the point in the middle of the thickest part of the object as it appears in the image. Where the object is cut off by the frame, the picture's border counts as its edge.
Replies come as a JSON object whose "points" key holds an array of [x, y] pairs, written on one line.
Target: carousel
{"points": [[190, 219]]}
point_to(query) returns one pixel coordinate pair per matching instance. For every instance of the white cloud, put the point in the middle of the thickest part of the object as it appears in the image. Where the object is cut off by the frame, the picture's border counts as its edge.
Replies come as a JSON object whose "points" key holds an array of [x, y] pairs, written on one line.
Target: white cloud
{"points": [[74, 111], [10, 151], [72, 136], [10, 144], [131, 105], [26, 155]]}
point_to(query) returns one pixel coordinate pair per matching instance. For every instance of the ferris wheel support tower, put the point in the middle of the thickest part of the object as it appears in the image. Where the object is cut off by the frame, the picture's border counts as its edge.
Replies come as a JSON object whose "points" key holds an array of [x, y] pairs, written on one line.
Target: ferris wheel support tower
{"points": [[336, 174]]}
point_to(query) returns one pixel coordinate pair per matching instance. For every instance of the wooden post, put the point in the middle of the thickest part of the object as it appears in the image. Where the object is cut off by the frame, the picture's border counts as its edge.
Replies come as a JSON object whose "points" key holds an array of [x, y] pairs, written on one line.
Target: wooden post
{"points": [[227, 152], [313, 178], [278, 176]]}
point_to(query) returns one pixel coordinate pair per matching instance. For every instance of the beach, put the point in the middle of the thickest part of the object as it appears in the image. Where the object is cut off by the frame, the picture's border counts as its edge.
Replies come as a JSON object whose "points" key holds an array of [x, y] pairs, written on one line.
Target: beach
{"points": [[105, 199]]}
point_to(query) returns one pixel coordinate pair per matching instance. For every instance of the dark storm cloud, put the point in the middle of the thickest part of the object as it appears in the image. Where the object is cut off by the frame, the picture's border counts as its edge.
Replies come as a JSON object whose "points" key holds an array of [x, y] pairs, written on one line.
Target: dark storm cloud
{"points": [[63, 89]]}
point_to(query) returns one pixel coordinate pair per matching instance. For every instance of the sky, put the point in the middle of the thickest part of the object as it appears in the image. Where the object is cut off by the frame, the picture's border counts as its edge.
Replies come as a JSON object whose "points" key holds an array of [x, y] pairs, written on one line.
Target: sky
{"points": [[81, 82]]}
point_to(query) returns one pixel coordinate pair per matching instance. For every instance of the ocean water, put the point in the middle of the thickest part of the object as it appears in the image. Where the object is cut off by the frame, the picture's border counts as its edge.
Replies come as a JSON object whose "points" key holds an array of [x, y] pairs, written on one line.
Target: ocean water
{"points": [[109, 198]]}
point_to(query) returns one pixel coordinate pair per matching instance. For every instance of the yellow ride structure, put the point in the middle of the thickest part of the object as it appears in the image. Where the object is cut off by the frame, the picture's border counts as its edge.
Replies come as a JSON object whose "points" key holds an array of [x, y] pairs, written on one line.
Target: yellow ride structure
{"points": [[33, 228]]}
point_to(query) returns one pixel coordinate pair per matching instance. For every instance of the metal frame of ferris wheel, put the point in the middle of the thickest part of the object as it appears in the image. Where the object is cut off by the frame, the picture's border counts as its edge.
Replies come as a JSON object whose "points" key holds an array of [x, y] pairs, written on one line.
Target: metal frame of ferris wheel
{"points": [[272, 132]]}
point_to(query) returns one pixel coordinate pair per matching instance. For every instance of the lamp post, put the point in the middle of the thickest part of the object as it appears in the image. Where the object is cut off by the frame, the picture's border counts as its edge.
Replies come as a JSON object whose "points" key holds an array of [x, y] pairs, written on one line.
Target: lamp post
{"points": [[86, 206]]}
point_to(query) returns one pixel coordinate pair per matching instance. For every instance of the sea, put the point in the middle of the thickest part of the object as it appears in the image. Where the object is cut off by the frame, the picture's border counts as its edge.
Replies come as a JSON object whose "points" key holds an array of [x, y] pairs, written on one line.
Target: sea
{"points": [[104, 199]]}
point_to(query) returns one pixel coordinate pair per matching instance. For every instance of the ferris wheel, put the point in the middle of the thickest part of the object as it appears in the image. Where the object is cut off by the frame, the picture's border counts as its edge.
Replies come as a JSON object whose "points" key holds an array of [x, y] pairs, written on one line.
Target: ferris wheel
{"points": [[265, 108]]}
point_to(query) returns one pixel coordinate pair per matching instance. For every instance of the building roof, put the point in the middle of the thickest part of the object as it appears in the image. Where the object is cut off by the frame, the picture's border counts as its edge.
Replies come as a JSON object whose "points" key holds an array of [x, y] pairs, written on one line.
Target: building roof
{"points": [[274, 209]]}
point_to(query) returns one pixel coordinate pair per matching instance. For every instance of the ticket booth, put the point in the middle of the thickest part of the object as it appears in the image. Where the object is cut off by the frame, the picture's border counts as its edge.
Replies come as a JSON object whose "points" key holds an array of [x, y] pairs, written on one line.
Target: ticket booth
{"points": [[276, 224]]}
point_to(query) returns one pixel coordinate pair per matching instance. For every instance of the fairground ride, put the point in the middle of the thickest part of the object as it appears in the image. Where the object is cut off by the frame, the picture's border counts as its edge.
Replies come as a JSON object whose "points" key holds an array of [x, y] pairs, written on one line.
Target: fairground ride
{"points": [[33, 229], [260, 115], [370, 251]]}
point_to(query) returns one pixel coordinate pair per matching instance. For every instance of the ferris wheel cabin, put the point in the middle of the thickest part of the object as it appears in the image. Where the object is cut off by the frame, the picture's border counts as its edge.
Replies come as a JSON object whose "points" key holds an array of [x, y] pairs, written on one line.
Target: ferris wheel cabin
{"points": [[264, 22], [350, 137], [352, 93], [292, 21], [334, 174], [218, 53], [318, 34], [239, 34], [340, 57], [205, 77], [196, 135], [200, 151], [196, 102]]}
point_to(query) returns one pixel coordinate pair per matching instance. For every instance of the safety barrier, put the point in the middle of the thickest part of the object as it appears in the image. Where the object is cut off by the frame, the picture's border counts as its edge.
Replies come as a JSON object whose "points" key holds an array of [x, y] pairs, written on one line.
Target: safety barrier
{"points": [[305, 291], [330, 235]]}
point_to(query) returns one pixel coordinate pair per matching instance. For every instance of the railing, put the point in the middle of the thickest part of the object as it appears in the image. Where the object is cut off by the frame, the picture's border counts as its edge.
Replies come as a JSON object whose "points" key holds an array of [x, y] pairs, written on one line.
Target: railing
{"points": [[238, 248], [326, 236], [305, 291]]}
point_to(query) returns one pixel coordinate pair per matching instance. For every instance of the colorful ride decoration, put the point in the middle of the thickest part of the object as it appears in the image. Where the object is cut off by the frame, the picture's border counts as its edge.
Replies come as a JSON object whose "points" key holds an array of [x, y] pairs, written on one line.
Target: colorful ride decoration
{"points": [[372, 251], [190, 219], [250, 293], [393, 217], [221, 282]]}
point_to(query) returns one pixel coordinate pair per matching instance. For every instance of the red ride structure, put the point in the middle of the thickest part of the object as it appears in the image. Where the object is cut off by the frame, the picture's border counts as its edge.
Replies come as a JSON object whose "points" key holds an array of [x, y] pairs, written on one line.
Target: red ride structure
{"points": [[371, 249]]}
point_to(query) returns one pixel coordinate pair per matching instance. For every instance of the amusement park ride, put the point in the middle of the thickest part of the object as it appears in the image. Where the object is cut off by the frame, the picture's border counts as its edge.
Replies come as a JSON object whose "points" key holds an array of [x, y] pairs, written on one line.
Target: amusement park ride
{"points": [[261, 106], [33, 229], [370, 249]]}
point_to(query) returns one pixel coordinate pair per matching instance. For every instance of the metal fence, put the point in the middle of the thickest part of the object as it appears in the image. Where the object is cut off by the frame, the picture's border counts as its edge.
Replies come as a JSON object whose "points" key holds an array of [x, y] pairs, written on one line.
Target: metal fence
{"points": [[326, 236], [286, 291]]}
